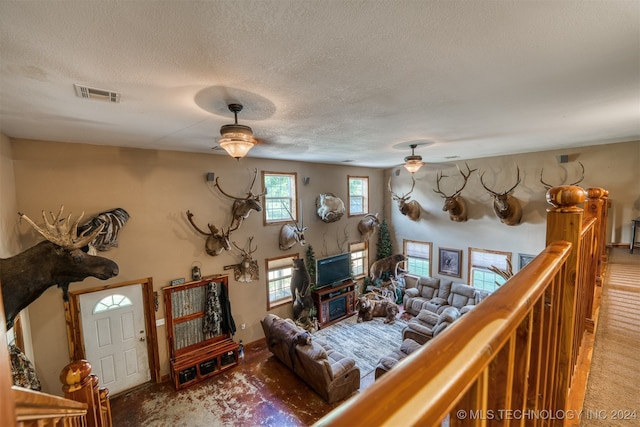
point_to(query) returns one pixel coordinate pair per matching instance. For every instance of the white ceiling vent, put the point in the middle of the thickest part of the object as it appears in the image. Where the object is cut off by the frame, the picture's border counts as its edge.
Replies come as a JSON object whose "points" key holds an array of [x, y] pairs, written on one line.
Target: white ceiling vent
{"points": [[97, 94]]}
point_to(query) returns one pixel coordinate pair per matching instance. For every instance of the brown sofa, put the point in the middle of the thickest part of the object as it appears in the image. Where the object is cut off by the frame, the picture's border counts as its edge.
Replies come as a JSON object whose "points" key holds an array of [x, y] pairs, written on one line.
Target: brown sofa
{"points": [[332, 375], [434, 294], [387, 362]]}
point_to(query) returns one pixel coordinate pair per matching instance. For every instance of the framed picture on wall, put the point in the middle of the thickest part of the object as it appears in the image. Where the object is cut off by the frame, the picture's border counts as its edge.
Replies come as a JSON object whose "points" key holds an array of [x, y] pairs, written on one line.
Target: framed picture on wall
{"points": [[450, 262], [524, 259]]}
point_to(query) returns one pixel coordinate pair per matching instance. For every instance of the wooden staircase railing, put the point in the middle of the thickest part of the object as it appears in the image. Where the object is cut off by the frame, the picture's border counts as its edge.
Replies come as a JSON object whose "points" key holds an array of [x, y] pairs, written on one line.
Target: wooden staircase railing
{"points": [[510, 360], [43, 410]]}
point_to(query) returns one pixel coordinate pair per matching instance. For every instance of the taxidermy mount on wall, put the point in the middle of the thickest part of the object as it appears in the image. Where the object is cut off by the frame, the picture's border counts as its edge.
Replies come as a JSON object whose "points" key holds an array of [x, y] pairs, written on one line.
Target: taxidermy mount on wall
{"points": [[368, 225], [112, 222], [507, 208], [455, 204], [292, 234], [242, 206], [57, 261], [329, 207], [410, 209], [247, 270], [216, 241]]}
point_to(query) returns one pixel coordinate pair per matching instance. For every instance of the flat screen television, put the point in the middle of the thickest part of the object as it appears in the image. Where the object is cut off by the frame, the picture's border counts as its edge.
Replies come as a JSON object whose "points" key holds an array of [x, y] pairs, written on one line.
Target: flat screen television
{"points": [[333, 270]]}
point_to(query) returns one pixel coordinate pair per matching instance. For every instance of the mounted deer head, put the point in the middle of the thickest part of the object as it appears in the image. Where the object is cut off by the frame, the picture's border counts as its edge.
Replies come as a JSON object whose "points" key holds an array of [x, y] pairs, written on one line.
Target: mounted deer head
{"points": [[292, 234], [242, 206], [410, 209], [247, 270], [58, 261], [506, 207], [455, 203], [216, 241], [368, 225], [548, 186]]}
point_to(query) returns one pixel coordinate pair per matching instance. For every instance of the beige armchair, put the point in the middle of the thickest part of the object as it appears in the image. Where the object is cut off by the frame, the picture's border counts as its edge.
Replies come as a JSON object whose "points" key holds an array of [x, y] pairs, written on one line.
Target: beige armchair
{"points": [[426, 325]]}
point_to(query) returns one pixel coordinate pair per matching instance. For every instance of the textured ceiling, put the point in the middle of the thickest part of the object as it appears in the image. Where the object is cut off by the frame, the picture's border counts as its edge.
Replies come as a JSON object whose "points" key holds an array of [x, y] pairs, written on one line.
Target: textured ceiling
{"points": [[325, 81]]}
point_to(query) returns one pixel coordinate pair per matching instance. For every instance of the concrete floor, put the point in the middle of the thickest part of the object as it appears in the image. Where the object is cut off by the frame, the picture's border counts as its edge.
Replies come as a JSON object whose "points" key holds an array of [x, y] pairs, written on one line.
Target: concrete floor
{"points": [[260, 391]]}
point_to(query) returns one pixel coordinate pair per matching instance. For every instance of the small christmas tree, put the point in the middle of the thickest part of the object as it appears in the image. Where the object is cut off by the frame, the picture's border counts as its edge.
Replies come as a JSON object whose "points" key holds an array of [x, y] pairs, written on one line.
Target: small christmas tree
{"points": [[310, 260], [385, 247]]}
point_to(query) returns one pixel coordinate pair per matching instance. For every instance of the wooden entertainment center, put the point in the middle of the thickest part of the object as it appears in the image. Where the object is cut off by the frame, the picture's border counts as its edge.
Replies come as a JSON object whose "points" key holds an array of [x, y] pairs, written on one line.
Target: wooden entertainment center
{"points": [[196, 355], [328, 302]]}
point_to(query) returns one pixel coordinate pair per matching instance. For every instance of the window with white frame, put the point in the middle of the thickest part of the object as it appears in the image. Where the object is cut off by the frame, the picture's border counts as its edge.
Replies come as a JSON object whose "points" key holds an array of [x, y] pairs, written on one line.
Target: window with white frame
{"points": [[359, 259], [358, 195], [280, 201], [418, 257], [480, 262], [279, 271]]}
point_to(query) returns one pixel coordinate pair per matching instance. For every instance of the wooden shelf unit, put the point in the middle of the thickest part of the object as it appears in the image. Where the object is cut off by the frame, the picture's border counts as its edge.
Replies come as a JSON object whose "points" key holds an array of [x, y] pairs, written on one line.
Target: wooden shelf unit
{"points": [[194, 356], [322, 298]]}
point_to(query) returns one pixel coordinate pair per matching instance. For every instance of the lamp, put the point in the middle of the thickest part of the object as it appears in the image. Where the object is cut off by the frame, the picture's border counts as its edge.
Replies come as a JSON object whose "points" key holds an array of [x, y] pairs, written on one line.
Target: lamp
{"points": [[236, 139], [413, 163]]}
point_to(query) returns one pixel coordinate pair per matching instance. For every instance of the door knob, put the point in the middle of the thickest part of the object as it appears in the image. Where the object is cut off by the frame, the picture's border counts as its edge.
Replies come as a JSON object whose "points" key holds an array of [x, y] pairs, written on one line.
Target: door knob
{"points": [[141, 338]]}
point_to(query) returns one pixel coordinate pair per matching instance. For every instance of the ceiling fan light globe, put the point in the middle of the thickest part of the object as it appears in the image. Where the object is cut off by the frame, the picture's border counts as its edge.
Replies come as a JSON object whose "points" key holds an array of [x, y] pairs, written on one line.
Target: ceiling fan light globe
{"points": [[413, 165], [236, 140]]}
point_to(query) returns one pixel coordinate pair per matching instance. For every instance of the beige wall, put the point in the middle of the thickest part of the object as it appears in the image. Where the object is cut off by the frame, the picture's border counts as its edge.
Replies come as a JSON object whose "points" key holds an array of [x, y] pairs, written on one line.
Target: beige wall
{"points": [[612, 166], [157, 188]]}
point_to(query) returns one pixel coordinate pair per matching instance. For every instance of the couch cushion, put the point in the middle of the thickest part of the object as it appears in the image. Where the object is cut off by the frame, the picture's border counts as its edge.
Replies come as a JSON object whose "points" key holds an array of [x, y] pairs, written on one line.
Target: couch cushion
{"points": [[412, 292], [461, 295], [445, 288], [339, 363], [429, 287]]}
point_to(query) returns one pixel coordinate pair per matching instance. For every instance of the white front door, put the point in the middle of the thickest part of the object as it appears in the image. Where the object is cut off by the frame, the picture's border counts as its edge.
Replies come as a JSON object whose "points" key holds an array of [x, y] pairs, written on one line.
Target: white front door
{"points": [[113, 329]]}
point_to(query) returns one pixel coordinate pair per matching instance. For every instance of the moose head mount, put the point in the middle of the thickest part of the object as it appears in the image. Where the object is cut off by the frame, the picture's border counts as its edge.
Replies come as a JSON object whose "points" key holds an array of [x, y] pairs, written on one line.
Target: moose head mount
{"points": [[507, 208], [410, 209], [242, 206], [455, 203], [57, 261], [217, 241]]}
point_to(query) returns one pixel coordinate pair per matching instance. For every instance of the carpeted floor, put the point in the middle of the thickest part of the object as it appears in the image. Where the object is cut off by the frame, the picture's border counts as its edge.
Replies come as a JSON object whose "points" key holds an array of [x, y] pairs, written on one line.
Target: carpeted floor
{"points": [[614, 381], [365, 342]]}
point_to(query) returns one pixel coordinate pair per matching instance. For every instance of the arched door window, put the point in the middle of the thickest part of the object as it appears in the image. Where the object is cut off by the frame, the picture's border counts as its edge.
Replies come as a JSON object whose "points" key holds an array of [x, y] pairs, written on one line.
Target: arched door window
{"points": [[111, 302]]}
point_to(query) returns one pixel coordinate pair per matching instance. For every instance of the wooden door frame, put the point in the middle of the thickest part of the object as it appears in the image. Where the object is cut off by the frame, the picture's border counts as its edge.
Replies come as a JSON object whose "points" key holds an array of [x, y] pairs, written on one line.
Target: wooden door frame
{"points": [[74, 322]]}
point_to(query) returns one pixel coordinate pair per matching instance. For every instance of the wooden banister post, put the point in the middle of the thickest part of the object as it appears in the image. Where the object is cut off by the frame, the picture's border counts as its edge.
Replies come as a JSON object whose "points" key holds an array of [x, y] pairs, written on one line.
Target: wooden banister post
{"points": [[564, 222], [78, 385], [595, 207]]}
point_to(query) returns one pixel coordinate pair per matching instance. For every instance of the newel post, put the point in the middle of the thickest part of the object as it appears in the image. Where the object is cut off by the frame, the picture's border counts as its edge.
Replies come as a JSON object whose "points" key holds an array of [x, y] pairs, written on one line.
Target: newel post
{"points": [[596, 207], [78, 385], [564, 222]]}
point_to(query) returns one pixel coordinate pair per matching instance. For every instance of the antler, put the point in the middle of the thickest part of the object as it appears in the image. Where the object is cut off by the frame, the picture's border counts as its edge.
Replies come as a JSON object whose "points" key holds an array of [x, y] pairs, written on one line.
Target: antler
{"points": [[190, 217], [59, 232], [504, 192], [439, 176], [245, 252], [405, 196], [250, 194], [548, 186]]}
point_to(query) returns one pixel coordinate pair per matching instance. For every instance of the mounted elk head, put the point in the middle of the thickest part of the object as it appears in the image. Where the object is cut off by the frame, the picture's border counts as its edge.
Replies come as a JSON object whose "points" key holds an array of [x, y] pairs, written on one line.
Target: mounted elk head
{"points": [[410, 209], [548, 186], [247, 270], [455, 203], [57, 261], [368, 225], [217, 241], [292, 234], [242, 206], [506, 207]]}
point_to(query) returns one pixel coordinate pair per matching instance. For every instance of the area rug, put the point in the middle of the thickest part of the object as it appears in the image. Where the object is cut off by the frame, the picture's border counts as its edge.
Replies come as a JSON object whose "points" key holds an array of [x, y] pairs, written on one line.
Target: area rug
{"points": [[365, 342]]}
